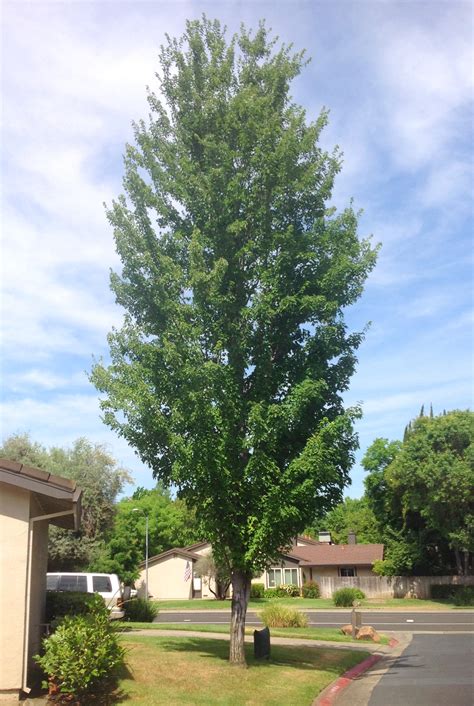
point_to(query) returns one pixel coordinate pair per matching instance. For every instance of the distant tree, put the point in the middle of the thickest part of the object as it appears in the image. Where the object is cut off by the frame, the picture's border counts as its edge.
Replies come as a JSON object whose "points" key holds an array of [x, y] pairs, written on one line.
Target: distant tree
{"points": [[352, 515], [100, 479], [425, 497], [376, 460], [170, 524], [229, 373], [217, 578]]}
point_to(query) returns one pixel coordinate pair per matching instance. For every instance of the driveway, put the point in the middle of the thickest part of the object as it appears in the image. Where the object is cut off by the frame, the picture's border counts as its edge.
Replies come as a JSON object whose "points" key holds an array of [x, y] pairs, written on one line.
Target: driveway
{"points": [[433, 670]]}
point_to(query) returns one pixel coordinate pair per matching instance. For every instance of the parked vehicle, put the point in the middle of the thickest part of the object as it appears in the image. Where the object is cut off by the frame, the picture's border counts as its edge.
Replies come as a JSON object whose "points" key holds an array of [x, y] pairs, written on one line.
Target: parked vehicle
{"points": [[106, 585]]}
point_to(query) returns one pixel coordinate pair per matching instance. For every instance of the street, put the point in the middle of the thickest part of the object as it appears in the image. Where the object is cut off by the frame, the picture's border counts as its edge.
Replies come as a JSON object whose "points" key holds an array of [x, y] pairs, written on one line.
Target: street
{"points": [[414, 621], [432, 671]]}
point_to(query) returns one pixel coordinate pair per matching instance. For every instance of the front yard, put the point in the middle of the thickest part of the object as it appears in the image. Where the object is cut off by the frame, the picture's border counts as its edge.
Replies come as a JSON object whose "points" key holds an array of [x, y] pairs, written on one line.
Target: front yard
{"points": [[327, 634], [195, 672]]}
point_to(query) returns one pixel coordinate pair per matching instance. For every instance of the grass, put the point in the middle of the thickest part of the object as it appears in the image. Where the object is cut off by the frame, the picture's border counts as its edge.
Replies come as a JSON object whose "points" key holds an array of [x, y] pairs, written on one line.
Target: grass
{"points": [[312, 604], [191, 671], [329, 634]]}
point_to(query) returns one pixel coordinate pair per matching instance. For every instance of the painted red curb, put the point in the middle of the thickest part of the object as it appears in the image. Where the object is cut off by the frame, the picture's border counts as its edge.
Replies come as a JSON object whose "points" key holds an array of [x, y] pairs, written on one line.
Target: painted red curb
{"points": [[328, 697]]}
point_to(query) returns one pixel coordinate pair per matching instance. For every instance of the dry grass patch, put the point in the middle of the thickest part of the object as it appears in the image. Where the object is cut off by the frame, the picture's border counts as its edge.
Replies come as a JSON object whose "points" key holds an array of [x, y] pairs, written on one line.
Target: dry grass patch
{"points": [[195, 672]]}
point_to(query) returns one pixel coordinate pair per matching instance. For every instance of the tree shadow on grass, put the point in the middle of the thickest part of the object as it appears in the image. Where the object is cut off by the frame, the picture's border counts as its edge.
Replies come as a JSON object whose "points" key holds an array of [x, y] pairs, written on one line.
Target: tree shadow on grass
{"points": [[301, 658]]}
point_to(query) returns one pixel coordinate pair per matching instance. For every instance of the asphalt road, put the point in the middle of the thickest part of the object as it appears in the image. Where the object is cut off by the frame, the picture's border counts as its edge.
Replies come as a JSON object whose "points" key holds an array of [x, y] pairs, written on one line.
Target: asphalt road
{"points": [[453, 621], [434, 670]]}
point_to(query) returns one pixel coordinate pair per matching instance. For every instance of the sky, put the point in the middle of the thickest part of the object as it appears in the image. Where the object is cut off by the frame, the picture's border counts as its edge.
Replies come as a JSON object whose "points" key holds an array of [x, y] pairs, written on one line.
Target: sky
{"points": [[398, 80]]}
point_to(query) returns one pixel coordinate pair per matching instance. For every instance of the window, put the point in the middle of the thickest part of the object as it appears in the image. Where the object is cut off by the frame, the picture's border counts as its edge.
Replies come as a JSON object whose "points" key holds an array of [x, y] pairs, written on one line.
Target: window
{"points": [[291, 576], [72, 583], [276, 577], [101, 584], [347, 571]]}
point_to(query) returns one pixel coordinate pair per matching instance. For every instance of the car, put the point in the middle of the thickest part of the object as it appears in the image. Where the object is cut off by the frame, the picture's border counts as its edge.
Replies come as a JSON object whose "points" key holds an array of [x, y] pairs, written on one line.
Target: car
{"points": [[106, 585]]}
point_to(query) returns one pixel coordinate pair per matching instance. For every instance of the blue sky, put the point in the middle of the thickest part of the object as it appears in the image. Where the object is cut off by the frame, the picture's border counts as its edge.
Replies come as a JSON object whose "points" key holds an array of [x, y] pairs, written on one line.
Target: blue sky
{"points": [[397, 78]]}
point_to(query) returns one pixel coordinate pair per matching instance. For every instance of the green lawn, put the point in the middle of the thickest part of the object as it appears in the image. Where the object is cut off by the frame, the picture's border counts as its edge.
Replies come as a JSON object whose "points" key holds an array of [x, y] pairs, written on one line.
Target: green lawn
{"points": [[329, 634], [311, 604], [190, 671]]}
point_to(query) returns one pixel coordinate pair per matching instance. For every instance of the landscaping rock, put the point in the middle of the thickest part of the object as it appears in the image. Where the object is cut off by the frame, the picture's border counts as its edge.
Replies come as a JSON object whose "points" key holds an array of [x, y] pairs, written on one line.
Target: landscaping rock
{"points": [[367, 632], [346, 629]]}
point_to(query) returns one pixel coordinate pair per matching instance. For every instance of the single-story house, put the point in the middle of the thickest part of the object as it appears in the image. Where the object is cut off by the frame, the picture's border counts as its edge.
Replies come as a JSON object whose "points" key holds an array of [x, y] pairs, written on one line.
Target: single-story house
{"points": [[171, 574], [30, 499]]}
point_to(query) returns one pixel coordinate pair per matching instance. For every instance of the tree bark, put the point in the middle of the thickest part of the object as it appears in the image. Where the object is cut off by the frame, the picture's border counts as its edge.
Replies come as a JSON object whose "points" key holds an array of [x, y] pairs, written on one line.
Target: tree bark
{"points": [[459, 567], [240, 600]]}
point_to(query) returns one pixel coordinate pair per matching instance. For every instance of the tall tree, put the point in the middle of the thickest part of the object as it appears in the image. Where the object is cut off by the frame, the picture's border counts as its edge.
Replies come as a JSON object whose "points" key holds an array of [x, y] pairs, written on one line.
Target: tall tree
{"points": [[228, 374], [101, 480]]}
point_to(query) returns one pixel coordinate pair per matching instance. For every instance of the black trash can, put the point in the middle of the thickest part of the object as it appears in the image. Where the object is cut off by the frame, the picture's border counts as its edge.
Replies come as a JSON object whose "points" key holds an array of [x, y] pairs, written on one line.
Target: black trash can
{"points": [[261, 643]]}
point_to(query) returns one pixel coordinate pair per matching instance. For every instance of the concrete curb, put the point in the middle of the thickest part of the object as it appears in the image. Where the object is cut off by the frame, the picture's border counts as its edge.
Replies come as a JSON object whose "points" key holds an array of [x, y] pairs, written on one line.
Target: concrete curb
{"points": [[329, 695]]}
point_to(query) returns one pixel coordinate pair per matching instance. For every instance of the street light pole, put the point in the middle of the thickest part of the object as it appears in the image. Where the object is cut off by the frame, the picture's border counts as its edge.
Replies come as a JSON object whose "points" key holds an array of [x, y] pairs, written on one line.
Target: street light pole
{"points": [[146, 557], [137, 509]]}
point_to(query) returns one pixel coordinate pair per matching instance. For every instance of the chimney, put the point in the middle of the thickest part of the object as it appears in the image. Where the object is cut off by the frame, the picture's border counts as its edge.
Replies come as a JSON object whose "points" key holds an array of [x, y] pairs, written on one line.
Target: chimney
{"points": [[351, 538], [324, 537]]}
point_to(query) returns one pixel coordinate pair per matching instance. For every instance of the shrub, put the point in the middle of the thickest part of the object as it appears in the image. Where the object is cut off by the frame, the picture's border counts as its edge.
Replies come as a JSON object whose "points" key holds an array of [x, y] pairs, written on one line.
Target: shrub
{"points": [[82, 657], [61, 604], [279, 616], [282, 591], [464, 596], [346, 596], [290, 589], [140, 611], [311, 590], [257, 590], [453, 592]]}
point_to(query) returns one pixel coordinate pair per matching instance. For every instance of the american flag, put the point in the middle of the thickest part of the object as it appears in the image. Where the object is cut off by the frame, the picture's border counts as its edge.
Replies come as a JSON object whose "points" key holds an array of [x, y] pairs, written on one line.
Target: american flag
{"points": [[187, 571]]}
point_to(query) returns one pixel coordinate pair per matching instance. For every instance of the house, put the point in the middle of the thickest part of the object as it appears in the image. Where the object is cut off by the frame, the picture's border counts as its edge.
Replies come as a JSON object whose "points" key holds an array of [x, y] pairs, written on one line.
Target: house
{"points": [[171, 574], [30, 500]]}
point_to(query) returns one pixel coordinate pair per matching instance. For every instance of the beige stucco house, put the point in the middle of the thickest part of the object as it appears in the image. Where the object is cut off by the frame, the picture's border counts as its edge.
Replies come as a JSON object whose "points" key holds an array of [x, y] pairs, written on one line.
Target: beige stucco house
{"points": [[171, 574], [30, 499]]}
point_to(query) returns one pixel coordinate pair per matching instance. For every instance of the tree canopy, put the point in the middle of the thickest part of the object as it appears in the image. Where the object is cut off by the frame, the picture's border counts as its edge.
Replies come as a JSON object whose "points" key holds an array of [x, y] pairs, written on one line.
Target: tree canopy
{"points": [[352, 515], [101, 480], [170, 524], [424, 495], [228, 374]]}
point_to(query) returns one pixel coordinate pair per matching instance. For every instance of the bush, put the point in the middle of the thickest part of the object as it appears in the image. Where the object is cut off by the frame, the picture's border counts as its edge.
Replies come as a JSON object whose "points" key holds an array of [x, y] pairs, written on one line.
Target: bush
{"points": [[345, 597], [279, 616], [464, 596], [140, 611], [61, 604], [311, 590], [257, 590], [290, 589], [82, 657], [282, 591], [448, 591]]}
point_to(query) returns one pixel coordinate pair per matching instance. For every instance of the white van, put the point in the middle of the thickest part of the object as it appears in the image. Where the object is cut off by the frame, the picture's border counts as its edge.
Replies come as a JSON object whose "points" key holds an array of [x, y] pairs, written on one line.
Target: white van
{"points": [[106, 585]]}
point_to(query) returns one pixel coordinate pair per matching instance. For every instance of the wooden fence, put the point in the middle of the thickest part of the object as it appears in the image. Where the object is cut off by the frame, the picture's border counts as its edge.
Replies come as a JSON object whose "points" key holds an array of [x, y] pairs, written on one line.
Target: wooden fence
{"points": [[390, 586]]}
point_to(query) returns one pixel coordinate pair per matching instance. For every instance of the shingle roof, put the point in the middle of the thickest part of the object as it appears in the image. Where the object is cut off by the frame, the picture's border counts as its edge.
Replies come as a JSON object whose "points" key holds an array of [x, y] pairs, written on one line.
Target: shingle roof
{"points": [[169, 553], [57, 494], [338, 554]]}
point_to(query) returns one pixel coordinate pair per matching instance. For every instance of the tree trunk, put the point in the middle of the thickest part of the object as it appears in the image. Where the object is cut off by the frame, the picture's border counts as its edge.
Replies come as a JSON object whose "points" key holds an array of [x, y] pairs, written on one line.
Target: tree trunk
{"points": [[240, 600], [457, 554], [466, 563]]}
